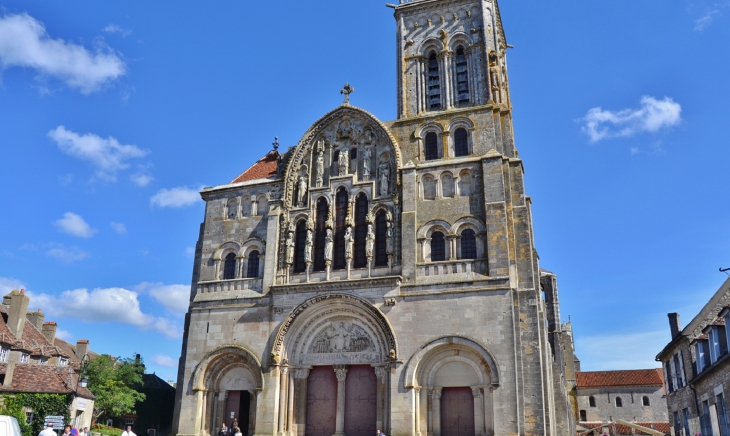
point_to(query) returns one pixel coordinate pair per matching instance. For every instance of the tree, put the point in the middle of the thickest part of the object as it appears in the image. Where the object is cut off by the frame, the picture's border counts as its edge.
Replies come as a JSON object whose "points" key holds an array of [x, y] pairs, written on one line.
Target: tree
{"points": [[111, 380]]}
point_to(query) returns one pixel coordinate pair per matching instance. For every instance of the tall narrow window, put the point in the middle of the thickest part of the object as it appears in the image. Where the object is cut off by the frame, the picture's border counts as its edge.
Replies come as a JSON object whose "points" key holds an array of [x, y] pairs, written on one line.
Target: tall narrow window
{"points": [[462, 78], [434, 84], [263, 207], [468, 244], [340, 212], [300, 240], [229, 267], [583, 415], [429, 187], [361, 231], [447, 185], [253, 265], [438, 247], [431, 149], [232, 211], [619, 402], [461, 142], [645, 400], [381, 239], [320, 234], [465, 184], [592, 401]]}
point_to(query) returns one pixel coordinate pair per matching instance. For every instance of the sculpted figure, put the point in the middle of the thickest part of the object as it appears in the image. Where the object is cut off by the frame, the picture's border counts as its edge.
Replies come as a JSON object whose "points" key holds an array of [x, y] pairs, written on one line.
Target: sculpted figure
{"points": [[343, 161], [329, 242], [290, 248], [366, 164], [301, 190], [339, 338], [344, 131], [320, 168], [369, 241], [349, 241], [389, 239], [384, 177], [308, 247]]}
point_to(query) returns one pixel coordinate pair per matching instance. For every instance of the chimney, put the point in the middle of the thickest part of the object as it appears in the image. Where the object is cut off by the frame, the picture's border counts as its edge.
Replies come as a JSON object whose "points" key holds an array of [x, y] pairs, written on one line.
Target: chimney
{"points": [[82, 347], [16, 313], [49, 331], [36, 318], [674, 324]]}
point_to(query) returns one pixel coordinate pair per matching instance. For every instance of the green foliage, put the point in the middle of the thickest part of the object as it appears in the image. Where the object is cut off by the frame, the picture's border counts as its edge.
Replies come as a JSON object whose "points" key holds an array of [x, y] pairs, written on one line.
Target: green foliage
{"points": [[106, 430], [42, 405], [111, 381]]}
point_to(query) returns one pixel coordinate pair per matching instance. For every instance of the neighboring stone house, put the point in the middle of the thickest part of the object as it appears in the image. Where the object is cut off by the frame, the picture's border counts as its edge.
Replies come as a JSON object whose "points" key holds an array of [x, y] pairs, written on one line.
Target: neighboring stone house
{"points": [[383, 275], [635, 396], [697, 369], [34, 360]]}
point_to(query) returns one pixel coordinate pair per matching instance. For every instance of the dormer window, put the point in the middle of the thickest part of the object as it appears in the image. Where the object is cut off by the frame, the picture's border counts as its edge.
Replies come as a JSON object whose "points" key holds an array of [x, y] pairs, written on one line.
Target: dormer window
{"points": [[24, 357], [718, 342], [42, 360], [701, 355], [62, 361], [4, 354]]}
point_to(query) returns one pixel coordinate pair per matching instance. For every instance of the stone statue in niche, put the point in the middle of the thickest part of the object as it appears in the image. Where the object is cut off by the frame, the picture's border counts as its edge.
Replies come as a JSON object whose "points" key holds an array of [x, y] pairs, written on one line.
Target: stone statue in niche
{"points": [[384, 177], [366, 156], [349, 241], [301, 190], [389, 238], [345, 130], [319, 180], [290, 248], [368, 136], [329, 242], [308, 244], [343, 161], [369, 241]]}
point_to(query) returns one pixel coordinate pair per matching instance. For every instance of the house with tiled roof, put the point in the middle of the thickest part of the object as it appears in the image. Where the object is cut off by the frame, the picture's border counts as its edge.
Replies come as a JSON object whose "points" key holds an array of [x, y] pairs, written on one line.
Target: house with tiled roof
{"points": [[634, 396], [34, 360]]}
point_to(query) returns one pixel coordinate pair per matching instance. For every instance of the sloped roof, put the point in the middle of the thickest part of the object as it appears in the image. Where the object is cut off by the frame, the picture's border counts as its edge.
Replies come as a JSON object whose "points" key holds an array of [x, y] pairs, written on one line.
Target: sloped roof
{"points": [[264, 168], [632, 377], [34, 342], [152, 381], [31, 377], [625, 429]]}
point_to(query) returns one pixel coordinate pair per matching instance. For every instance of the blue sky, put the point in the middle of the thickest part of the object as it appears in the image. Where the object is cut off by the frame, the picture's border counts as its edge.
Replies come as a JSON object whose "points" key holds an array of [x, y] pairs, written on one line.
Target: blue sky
{"points": [[112, 115]]}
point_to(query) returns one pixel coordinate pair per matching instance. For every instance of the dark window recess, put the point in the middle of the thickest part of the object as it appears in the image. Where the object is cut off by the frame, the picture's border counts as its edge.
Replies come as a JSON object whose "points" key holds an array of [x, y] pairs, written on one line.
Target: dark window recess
{"points": [[431, 149], [340, 212], [438, 247], [300, 241], [361, 230], [619, 402], [253, 265], [592, 401], [381, 235], [434, 84], [461, 143], [583, 415], [462, 78], [229, 268], [645, 400], [320, 233], [353, 153], [468, 244]]}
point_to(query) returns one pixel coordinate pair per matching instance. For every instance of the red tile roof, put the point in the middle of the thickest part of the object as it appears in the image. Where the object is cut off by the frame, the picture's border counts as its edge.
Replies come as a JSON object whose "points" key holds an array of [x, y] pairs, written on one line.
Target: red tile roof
{"points": [[32, 377], [262, 169], [631, 377], [622, 429]]}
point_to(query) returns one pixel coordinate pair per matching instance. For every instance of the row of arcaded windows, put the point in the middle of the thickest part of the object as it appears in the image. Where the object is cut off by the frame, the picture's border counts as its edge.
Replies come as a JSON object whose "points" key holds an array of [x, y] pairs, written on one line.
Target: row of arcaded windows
{"points": [[447, 185], [229, 266], [433, 83], [461, 144], [468, 245]]}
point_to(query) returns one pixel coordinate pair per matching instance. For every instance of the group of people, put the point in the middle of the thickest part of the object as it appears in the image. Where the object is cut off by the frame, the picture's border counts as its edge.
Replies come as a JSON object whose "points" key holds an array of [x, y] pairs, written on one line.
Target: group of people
{"points": [[70, 430], [234, 430]]}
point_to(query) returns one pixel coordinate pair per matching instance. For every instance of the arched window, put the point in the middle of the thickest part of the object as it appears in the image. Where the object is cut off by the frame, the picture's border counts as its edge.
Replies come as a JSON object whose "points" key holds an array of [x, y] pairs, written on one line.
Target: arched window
{"points": [[300, 241], [465, 184], [619, 402], [583, 416], [447, 185], [232, 210], [592, 401], [431, 149], [320, 232], [429, 187], [381, 239], [229, 267], [438, 247], [468, 244], [263, 207], [246, 207], [434, 84], [340, 212], [253, 264], [461, 142], [645, 400], [361, 231], [462, 78]]}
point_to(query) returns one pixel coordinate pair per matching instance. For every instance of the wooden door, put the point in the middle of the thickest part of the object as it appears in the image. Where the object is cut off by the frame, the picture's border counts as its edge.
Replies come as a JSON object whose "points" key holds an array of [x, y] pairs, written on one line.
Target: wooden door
{"points": [[233, 405], [321, 401], [360, 401], [457, 412]]}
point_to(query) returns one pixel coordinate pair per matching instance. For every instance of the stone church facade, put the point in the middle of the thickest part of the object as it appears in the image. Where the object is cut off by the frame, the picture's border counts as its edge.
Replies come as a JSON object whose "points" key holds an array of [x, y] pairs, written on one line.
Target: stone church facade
{"points": [[382, 275]]}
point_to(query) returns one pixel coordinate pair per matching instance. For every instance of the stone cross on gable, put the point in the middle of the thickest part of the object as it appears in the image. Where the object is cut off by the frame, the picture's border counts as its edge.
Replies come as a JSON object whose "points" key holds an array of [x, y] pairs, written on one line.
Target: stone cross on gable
{"points": [[276, 142], [347, 90]]}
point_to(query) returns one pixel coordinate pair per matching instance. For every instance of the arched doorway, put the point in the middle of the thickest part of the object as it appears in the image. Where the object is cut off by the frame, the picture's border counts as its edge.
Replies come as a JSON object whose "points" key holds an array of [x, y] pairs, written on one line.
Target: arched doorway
{"points": [[334, 352]]}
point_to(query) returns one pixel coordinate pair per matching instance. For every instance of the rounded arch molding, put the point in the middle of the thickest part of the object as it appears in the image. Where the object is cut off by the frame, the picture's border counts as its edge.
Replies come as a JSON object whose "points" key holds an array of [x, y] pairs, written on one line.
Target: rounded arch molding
{"points": [[329, 305], [220, 360], [420, 364]]}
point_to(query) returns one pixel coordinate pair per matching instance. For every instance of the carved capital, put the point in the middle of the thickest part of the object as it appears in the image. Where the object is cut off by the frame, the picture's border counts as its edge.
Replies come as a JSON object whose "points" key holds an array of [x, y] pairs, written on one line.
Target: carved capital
{"points": [[284, 370], [380, 373], [341, 372], [301, 373], [436, 393], [475, 391]]}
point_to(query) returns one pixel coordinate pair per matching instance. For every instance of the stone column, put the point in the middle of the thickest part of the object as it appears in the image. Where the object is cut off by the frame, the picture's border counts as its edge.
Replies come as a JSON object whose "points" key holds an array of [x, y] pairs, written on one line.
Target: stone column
{"points": [[417, 408], [290, 408], [488, 412], [283, 388], [436, 411], [478, 411], [301, 401], [380, 373], [198, 411], [252, 413], [214, 415], [203, 411], [429, 412], [341, 373]]}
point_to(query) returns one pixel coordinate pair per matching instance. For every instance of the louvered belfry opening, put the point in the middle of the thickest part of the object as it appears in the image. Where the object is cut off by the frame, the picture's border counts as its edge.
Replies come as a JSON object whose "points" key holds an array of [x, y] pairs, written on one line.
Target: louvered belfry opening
{"points": [[434, 84], [340, 213], [320, 234], [462, 78]]}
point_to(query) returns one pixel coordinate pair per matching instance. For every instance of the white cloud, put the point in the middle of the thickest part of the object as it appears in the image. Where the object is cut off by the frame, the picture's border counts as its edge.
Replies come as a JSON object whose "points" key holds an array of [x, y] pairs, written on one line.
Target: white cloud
{"points": [[64, 334], [24, 43], [174, 297], [617, 351], [175, 197], [74, 224], [105, 305], [141, 179], [190, 251], [66, 254], [163, 360], [7, 284], [634, 150], [652, 116], [107, 155], [113, 28], [119, 227]]}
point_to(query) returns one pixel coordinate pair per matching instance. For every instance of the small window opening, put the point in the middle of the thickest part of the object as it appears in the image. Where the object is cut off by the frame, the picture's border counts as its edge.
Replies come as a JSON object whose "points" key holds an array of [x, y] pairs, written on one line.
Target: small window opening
{"points": [[645, 400], [619, 402]]}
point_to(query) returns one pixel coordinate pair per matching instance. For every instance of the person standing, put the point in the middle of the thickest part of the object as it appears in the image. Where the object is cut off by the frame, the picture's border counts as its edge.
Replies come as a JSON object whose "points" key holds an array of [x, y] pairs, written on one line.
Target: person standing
{"points": [[237, 431], [85, 432], [66, 430], [223, 432], [128, 431], [48, 431]]}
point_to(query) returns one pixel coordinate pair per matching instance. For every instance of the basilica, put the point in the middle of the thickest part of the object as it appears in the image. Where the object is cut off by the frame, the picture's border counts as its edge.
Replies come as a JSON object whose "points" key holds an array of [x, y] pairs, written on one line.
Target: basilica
{"points": [[382, 275]]}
